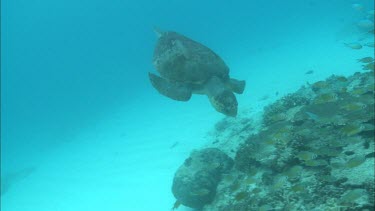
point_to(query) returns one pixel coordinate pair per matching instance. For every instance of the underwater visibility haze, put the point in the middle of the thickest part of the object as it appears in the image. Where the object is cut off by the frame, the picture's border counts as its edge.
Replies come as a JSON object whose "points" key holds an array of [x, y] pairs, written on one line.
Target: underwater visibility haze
{"points": [[142, 105]]}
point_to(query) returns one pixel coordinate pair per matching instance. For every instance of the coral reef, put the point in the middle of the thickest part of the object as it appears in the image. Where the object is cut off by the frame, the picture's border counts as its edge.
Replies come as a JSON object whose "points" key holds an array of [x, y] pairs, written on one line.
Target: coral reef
{"points": [[313, 151]]}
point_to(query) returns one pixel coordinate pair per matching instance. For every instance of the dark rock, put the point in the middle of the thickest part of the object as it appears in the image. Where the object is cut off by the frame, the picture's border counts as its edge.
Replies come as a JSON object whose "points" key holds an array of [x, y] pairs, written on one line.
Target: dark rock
{"points": [[195, 182]]}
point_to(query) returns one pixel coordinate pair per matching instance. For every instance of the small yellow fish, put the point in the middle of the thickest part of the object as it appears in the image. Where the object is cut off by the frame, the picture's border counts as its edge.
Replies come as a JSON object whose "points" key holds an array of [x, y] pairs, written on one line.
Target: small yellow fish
{"points": [[328, 151], [369, 66], [241, 195], [343, 90], [352, 129], [370, 87], [256, 190], [336, 143], [353, 106], [298, 187], [250, 180], [367, 59], [305, 155], [352, 195], [280, 135], [325, 98], [265, 207], [328, 178], [293, 172], [279, 182], [358, 91], [368, 127], [228, 178], [356, 161], [370, 44], [271, 141], [337, 165], [354, 140], [341, 78], [319, 85], [235, 186], [355, 46], [312, 116], [319, 162], [278, 117]]}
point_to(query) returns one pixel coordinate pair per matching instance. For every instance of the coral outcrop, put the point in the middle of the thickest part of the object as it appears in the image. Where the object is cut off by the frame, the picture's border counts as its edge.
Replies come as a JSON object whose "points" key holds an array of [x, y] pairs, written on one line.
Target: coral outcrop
{"points": [[195, 182], [313, 151]]}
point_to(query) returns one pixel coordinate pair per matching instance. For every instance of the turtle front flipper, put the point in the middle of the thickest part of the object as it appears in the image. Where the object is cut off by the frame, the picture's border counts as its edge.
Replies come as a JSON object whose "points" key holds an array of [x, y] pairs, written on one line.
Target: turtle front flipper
{"points": [[236, 86], [173, 90]]}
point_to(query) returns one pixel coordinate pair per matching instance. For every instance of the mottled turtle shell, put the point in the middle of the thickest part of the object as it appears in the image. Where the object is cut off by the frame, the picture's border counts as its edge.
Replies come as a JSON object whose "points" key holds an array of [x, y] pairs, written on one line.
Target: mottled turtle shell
{"points": [[180, 59]]}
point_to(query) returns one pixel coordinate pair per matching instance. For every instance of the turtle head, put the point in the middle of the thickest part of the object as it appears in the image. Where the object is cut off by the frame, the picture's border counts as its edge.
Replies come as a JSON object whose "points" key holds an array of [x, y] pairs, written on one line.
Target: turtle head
{"points": [[225, 102], [221, 98]]}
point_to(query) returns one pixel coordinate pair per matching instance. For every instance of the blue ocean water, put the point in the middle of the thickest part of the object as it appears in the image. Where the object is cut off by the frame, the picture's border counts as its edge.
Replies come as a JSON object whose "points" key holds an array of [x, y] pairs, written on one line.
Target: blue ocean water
{"points": [[78, 111]]}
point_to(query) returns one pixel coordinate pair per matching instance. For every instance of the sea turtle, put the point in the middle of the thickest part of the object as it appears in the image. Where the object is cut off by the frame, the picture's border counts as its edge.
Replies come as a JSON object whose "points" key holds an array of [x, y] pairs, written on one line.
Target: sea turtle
{"points": [[187, 67]]}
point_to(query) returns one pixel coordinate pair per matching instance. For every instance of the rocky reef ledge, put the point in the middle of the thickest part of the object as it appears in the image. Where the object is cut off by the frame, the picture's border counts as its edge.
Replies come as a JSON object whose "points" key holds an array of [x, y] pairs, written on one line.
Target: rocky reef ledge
{"points": [[310, 150]]}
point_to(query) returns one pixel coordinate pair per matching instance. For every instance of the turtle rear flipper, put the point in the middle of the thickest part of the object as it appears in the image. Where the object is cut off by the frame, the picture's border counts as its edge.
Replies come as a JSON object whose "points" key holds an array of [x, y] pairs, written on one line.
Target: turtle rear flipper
{"points": [[236, 86], [173, 90]]}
